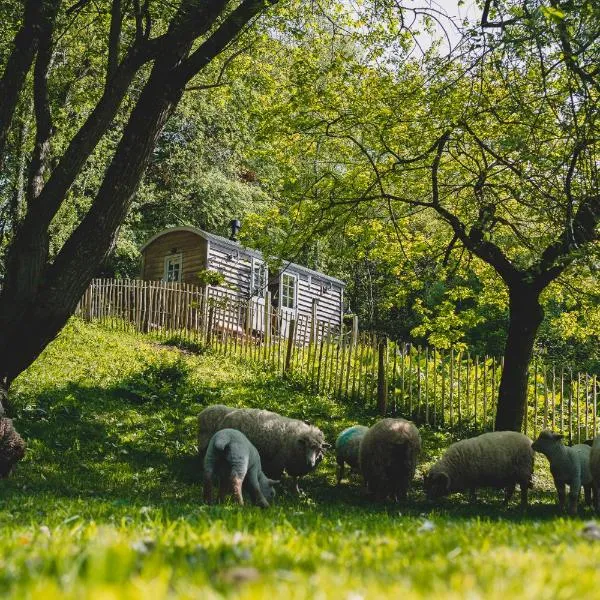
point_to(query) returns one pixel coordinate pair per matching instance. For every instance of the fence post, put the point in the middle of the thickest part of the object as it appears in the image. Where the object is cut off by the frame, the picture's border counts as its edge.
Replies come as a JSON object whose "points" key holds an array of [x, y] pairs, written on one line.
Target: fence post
{"points": [[267, 324], [382, 388], [209, 324], [290, 346], [313, 324]]}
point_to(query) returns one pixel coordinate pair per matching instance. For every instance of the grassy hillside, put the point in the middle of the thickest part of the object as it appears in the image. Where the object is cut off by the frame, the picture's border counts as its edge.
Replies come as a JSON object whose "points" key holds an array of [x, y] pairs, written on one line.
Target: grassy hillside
{"points": [[108, 504]]}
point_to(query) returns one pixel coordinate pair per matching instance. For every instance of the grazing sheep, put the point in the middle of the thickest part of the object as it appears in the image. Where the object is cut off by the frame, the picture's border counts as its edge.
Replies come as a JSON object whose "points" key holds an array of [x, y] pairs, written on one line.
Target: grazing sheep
{"points": [[208, 421], [388, 457], [231, 458], [347, 446], [500, 459], [568, 465], [12, 447], [595, 470], [283, 443]]}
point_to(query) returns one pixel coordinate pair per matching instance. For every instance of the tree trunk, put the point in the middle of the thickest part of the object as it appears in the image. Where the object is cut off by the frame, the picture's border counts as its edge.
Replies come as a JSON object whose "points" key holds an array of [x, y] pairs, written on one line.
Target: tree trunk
{"points": [[525, 317]]}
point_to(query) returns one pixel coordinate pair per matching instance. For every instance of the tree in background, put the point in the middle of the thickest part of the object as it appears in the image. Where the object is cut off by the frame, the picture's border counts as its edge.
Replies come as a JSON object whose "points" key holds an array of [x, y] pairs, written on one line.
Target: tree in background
{"points": [[499, 142], [104, 75]]}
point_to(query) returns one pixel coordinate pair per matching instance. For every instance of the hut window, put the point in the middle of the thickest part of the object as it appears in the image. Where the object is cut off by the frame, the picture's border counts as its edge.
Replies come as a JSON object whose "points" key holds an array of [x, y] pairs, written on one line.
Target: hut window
{"points": [[173, 269], [259, 277], [288, 291]]}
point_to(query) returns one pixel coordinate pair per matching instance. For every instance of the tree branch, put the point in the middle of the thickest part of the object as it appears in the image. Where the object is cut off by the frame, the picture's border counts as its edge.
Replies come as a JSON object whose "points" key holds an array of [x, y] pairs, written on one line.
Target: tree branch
{"points": [[19, 63], [41, 105], [114, 40]]}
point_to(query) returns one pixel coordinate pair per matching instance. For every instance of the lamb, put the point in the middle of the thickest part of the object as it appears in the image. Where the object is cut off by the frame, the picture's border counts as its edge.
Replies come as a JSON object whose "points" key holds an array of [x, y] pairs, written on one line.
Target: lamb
{"points": [[568, 465], [388, 458], [347, 446], [283, 443], [208, 421], [231, 458], [499, 459], [12, 447], [595, 470]]}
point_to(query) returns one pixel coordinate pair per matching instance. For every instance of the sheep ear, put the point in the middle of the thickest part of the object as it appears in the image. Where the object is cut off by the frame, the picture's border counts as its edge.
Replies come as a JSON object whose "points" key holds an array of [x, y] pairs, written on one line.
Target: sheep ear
{"points": [[325, 446], [273, 481]]}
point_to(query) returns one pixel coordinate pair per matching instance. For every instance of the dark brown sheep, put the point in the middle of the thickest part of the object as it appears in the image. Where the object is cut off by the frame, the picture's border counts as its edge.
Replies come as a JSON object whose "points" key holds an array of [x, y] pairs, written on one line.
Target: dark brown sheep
{"points": [[12, 447], [388, 458]]}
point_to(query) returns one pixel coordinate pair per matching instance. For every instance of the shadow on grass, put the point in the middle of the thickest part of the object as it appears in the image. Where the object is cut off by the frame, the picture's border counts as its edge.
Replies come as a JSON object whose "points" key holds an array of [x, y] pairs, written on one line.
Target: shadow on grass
{"points": [[133, 444]]}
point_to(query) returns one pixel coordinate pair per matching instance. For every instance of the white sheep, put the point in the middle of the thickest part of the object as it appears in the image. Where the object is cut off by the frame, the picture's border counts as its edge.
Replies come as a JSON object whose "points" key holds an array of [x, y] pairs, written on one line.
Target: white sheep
{"points": [[568, 465], [283, 443], [347, 447], [595, 470], [231, 459], [499, 459], [388, 458]]}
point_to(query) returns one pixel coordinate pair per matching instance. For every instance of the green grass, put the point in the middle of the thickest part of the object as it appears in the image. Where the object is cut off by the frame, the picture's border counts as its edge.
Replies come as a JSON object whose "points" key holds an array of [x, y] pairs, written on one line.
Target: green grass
{"points": [[107, 503]]}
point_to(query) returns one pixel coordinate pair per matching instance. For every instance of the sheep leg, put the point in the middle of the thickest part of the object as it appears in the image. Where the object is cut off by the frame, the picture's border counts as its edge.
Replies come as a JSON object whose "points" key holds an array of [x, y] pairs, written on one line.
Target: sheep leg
{"points": [[254, 488], [222, 490], [236, 486], [340, 472], [524, 485], [473, 495], [596, 498], [509, 490], [560, 490], [587, 489], [573, 499], [208, 488]]}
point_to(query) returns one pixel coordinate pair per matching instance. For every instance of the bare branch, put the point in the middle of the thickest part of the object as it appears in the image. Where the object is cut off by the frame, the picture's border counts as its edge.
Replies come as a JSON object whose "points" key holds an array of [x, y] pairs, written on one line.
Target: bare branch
{"points": [[219, 80]]}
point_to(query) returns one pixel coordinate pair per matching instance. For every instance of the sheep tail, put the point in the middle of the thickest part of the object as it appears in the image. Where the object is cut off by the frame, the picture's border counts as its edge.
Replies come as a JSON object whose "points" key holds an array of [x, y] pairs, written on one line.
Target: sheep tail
{"points": [[221, 443]]}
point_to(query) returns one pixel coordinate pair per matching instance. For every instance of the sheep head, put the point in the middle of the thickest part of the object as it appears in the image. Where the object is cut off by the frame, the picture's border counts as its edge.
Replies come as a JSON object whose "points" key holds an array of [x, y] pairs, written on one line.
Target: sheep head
{"points": [[436, 484], [312, 447], [267, 487], [547, 441]]}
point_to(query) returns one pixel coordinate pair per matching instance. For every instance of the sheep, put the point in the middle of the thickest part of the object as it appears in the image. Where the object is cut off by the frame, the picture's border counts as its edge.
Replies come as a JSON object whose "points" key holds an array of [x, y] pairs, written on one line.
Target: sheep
{"points": [[347, 446], [568, 465], [208, 421], [283, 443], [12, 447], [595, 470], [499, 459], [231, 458], [388, 458]]}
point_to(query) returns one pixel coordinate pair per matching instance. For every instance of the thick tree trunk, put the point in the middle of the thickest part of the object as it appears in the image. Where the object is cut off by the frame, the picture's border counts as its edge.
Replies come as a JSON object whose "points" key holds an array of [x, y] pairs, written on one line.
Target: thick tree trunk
{"points": [[38, 297], [525, 317]]}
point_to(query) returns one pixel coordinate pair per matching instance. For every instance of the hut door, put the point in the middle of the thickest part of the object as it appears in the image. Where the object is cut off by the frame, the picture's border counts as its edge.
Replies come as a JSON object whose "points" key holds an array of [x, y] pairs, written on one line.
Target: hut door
{"points": [[288, 305], [258, 289]]}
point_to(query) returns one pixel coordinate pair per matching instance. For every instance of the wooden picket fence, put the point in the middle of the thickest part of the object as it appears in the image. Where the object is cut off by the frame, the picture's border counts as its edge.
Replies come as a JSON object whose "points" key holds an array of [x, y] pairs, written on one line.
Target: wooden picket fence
{"points": [[442, 388]]}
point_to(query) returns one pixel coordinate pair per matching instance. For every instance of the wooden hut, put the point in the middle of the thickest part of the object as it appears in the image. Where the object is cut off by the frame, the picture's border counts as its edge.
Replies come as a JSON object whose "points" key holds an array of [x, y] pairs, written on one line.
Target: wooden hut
{"points": [[187, 254]]}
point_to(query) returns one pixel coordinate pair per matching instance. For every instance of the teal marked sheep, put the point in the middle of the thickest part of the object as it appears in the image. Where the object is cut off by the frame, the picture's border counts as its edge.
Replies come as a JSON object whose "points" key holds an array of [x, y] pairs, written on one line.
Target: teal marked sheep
{"points": [[232, 460], [595, 470], [388, 458], [347, 446], [568, 465], [499, 459]]}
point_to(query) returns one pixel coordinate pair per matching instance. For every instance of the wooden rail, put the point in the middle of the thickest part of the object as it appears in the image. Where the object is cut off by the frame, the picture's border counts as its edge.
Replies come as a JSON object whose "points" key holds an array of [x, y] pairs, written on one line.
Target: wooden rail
{"points": [[438, 387]]}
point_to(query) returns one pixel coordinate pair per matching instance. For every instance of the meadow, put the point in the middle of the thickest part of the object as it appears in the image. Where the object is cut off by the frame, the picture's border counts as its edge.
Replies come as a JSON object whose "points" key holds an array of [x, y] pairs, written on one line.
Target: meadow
{"points": [[107, 503]]}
